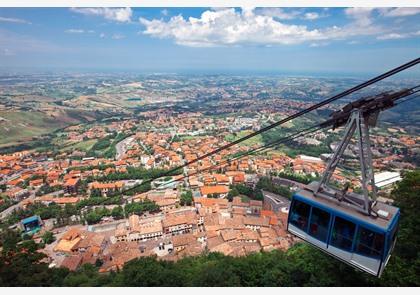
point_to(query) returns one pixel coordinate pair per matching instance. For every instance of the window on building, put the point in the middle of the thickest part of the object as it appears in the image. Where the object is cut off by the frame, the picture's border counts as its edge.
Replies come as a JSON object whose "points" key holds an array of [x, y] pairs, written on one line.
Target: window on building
{"points": [[318, 227], [369, 243], [343, 234], [300, 215]]}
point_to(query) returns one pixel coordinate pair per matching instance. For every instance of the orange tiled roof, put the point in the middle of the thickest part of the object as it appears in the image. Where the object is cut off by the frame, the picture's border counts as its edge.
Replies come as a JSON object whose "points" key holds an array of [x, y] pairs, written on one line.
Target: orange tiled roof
{"points": [[216, 189]]}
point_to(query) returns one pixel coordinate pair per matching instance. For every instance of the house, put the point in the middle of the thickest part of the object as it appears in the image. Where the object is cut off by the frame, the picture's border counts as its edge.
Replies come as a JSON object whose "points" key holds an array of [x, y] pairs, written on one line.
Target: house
{"points": [[17, 193], [72, 262], [166, 205], [143, 231], [210, 205], [116, 255], [255, 206], [180, 242], [248, 236], [69, 241], [106, 189], [255, 223], [71, 186], [180, 223], [36, 182], [218, 190], [48, 199], [93, 242]]}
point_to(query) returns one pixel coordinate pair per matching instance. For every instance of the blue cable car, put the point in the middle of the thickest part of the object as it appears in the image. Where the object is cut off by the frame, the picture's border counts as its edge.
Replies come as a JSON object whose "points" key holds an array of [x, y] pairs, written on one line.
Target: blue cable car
{"points": [[365, 242], [354, 228]]}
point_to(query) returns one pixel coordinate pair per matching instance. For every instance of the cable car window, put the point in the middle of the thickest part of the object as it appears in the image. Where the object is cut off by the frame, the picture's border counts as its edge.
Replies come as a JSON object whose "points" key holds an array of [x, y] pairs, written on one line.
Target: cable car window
{"points": [[318, 227], [343, 233], [369, 243], [300, 215], [393, 238]]}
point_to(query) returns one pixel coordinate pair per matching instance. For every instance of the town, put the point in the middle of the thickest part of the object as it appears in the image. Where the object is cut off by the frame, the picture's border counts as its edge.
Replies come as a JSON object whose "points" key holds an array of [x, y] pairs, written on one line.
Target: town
{"points": [[87, 198]]}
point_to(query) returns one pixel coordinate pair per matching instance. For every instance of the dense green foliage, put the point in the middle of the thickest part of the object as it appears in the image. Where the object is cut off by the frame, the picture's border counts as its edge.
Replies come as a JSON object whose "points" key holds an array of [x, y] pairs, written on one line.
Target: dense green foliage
{"points": [[136, 173], [265, 183], [48, 237], [117, 212], [94, 216], [141, 207], [302, 265], [44, 211], [296, 177], [240, 189], [95, 201], [186, 198]]}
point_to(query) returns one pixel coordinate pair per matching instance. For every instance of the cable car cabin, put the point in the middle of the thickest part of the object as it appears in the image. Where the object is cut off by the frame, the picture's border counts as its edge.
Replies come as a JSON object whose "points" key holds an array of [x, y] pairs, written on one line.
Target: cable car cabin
{"points": [[362, 241]]}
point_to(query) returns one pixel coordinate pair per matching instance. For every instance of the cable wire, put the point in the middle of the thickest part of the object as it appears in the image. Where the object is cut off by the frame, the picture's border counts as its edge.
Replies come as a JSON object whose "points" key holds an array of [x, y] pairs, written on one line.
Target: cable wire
{"points": [[289, 118]]}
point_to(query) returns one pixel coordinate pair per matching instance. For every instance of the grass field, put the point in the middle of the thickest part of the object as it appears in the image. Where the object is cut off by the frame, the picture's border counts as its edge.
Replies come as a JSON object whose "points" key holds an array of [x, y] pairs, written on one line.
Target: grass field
{"points": [[19, 126], [256, 140], [82, 146]]}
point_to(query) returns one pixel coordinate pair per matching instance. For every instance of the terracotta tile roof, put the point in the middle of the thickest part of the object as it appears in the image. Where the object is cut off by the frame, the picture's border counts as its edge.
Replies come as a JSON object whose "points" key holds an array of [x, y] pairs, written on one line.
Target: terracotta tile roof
{"points": [[229, 234], [214, 241], [216, 189], [182, 240], [255, 203], [71, 182], [72, 262], [178, 219], [223, 248], [109, 185], [256, 221], [208, 202]]}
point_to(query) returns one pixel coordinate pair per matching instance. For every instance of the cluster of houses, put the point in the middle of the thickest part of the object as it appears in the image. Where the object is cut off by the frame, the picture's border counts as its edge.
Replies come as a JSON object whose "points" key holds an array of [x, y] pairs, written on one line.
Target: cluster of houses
{"points": [[211, 225]]}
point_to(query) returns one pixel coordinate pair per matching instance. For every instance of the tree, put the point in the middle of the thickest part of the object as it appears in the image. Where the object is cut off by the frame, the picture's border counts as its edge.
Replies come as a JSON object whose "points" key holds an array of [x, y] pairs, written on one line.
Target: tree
{"points": [[232, 193], [95, 193], [48, 237], [93, 217], [117, 212], [186, 198], [141, 207]]}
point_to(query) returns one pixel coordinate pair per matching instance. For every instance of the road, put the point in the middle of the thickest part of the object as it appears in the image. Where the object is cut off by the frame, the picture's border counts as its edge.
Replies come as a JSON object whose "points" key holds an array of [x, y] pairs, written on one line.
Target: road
{"points": [[9, 210], [287, 182], [122, 147]]}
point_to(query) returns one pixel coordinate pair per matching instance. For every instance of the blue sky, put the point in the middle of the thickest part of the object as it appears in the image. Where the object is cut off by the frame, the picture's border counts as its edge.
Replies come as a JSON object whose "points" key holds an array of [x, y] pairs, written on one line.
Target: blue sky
{"points": [[298, 40]]}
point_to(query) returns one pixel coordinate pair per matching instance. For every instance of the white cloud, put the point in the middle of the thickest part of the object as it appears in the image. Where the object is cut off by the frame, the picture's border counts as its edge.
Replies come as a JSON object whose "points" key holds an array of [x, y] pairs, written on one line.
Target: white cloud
{"points": [[14, 20], [279, 13], [394, 36], [224, 27], [400, 11], [115, 14], [74, 31], [117, 36], [318, 44], [361, 15], [165, 12], [102, 35], [311, 16], [391, 36]]}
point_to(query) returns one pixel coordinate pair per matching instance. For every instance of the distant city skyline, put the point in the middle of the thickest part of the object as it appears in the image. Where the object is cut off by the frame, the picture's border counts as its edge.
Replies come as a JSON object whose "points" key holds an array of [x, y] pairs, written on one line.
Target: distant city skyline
{"points": [[222, 40]]}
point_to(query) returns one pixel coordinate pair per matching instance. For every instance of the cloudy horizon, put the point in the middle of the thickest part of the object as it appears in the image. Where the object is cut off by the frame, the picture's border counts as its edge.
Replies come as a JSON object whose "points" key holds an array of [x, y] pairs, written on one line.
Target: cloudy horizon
{"points": [[207, 39]]}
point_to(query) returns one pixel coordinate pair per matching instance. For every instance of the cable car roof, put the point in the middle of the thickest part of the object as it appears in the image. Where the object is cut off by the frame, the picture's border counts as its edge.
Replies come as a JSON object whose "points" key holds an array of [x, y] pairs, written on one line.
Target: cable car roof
{"points": [[379, 223]]}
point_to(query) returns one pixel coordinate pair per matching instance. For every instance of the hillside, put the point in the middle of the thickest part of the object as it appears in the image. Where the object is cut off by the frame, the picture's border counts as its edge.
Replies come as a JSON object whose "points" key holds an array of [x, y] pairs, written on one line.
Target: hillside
{"points": [[19, 126]]}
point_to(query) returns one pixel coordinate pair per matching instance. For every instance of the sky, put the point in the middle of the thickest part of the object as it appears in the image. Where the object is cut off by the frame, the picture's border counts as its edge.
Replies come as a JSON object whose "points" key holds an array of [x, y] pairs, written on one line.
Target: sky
{"points": [[213, 40]]}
